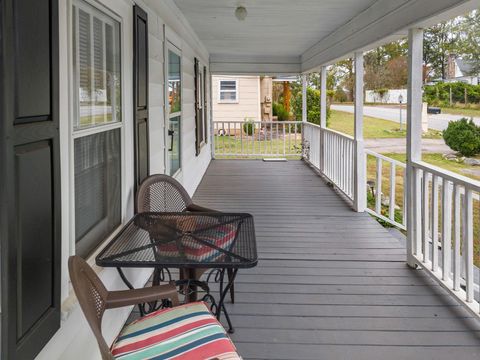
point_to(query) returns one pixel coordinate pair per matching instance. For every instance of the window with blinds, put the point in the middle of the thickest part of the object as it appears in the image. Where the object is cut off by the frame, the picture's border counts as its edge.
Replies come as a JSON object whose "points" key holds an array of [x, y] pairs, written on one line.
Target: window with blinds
{"points": [[228, 91], [96, 65]]}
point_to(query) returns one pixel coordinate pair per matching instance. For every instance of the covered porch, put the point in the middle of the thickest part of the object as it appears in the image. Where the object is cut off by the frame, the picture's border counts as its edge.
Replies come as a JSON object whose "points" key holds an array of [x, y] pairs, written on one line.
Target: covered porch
{"points": [[331, 283]]}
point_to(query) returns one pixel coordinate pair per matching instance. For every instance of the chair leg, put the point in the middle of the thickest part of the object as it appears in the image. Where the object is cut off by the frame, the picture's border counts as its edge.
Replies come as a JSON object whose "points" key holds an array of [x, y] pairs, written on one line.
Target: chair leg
{"points": [[232, 288]]}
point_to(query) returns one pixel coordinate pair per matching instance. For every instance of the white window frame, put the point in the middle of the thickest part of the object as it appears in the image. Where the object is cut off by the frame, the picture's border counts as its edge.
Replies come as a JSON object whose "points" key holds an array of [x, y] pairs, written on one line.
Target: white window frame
{"points": [[170, 46], [83, 132], [220, 101], [202, 96]]}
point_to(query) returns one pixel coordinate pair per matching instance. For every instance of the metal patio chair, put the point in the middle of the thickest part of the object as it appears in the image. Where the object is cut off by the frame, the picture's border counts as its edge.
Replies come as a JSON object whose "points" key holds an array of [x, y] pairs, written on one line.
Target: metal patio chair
{"points": [[163, 193], [187, 330]]}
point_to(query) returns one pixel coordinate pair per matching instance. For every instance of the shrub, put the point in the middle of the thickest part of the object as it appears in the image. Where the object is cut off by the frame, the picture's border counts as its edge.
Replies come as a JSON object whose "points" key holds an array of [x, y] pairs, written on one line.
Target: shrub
{"points": [[463, 136], [280, 111], [382, 92], [313, 106], [440, 93], [249, 127]]}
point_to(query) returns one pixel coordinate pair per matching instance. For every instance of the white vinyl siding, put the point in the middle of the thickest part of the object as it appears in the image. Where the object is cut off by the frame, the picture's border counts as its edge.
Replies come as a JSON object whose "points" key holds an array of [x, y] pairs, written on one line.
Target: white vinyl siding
{"points": [[248, 104]]}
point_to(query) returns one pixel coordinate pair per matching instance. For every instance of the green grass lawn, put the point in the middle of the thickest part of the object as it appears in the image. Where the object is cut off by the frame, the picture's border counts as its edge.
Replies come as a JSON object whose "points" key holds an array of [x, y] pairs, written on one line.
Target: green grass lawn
{"points": [[468, 112], [373, 128]]}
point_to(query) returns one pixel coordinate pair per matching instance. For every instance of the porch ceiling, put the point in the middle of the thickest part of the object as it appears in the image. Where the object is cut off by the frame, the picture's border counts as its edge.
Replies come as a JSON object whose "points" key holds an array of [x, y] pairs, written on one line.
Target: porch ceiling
{"points": [[272, 28], [284, 36]]}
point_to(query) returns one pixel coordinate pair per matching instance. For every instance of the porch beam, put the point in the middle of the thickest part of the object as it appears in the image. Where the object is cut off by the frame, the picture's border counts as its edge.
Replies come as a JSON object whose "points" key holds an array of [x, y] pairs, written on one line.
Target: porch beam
{"points": [[414, 137], [254, 65], [360, 194], [304, 98]]}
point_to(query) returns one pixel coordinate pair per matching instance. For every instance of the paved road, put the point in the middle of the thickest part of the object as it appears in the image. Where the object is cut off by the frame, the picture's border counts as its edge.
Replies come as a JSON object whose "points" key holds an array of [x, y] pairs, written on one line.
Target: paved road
{"points": [[438, 122], [399, 146]]}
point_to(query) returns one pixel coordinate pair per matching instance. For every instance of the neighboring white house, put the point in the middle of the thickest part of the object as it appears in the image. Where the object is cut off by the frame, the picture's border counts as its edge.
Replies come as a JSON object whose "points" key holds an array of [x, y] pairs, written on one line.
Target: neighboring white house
{"points": [[461, 70]]}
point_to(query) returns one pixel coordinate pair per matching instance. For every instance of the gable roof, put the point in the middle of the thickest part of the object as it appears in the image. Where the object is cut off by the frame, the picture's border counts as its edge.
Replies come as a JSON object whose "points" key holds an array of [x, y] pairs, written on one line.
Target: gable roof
{"points": [[465, 66]]}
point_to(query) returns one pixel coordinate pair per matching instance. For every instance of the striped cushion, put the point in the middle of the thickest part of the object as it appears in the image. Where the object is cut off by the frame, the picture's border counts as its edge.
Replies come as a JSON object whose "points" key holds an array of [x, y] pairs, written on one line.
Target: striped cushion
{"points": [[194, 250], [188, 331]]}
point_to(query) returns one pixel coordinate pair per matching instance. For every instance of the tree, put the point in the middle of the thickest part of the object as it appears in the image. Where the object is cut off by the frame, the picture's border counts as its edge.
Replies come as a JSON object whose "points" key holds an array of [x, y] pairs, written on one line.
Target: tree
{"points": [[468, 45], [385, 66], [397, 73], [438, 42]]}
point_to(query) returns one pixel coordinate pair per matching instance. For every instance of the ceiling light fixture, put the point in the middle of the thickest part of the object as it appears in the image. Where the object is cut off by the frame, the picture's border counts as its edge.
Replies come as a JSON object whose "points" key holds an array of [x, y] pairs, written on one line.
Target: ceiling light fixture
{"points": [[241, 13]]}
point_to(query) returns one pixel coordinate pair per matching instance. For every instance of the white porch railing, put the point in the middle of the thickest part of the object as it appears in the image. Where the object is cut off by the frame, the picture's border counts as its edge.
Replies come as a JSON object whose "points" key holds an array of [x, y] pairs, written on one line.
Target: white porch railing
{"points": [[267, 139], [333, 154], [446, 215], [386, 189], [446, 210], [446, 206]]}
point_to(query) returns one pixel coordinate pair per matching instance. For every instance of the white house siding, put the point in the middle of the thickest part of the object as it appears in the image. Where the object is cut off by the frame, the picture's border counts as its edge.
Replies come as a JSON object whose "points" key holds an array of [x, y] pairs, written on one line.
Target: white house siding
{"points": [[75, 340], [248, 105]]}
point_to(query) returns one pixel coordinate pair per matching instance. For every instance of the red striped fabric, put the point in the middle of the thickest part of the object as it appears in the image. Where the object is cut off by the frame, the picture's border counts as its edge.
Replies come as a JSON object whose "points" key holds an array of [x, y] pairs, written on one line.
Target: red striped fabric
{"points": [[188, 331], [194, 250]]}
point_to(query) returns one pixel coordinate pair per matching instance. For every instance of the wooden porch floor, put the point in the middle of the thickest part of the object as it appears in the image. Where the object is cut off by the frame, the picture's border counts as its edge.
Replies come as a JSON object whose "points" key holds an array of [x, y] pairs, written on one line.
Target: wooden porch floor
{"points": [[330, 283]]}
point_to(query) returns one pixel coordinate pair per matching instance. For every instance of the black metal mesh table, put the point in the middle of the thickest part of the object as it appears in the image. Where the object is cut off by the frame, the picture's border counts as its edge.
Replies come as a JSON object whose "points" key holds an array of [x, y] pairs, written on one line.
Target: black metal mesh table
{"points": [[185, 240]]}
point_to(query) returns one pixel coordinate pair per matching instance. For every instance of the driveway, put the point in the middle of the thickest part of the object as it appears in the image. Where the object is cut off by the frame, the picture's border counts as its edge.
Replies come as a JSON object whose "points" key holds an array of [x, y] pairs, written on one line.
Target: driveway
{"points": [[437, 122]]}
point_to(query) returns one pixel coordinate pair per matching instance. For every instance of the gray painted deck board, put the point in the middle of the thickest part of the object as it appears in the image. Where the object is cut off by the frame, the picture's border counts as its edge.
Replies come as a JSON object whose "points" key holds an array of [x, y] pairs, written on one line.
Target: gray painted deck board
{"points": [[330, 283]]}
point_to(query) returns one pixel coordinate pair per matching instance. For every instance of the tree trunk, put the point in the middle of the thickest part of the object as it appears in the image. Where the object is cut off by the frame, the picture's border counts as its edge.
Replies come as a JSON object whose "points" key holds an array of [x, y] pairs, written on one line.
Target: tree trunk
{"points": [[287, 94]]}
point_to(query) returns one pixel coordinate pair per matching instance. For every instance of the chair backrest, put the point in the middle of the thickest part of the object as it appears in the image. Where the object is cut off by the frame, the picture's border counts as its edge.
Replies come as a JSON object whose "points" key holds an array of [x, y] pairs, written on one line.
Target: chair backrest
{"points": [[92, 296], [161, 193]]}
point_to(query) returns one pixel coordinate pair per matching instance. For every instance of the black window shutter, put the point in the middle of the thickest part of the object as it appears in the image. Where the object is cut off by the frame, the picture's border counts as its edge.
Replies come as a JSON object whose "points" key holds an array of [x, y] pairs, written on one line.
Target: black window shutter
{"points": [[140, 95], [198, 110], [30, 181], [205, 106]]}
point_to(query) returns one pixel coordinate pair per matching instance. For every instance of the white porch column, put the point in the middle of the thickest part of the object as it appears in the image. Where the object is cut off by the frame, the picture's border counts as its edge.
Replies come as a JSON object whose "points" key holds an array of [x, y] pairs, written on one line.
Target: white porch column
{"points": [[414, 139], [360, 193], [304, 98], [323, 114], [323, 97]]}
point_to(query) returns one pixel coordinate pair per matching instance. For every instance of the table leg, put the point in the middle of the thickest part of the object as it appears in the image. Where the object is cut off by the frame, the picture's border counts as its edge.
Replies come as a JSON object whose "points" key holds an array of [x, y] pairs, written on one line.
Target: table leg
{"points": [[223, 293]]}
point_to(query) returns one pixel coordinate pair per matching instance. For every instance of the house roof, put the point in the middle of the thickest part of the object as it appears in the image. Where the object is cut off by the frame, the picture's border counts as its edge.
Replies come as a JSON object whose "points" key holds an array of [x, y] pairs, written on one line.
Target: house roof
{"points": [[466, 67]]}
